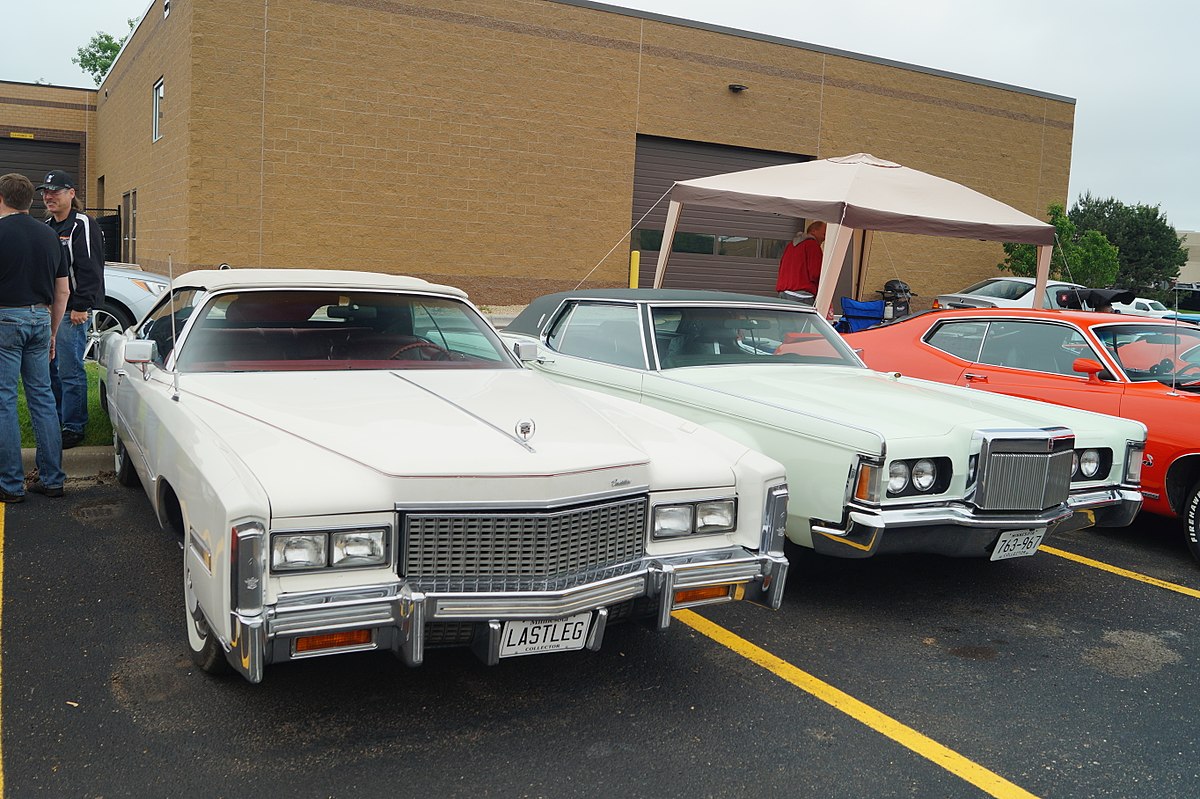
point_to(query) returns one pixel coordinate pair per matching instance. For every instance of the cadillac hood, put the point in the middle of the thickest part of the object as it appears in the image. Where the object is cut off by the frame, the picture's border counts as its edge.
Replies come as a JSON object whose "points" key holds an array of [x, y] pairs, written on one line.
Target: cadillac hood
{"points": [[503, 435]]}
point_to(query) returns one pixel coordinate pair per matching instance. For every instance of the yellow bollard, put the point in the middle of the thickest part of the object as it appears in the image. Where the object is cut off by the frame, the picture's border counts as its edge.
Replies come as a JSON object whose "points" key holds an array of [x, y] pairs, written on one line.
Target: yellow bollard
{"points": [[635, 258]]}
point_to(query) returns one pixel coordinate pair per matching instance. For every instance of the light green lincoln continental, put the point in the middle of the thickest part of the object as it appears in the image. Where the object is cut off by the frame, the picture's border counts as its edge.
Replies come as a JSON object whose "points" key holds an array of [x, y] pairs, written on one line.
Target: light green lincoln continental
{"points": [[876, 462]]}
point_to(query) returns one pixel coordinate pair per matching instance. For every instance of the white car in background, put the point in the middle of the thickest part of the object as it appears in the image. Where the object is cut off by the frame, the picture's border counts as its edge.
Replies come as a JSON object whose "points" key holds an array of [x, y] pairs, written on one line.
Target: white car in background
{"points": [[1004, 292], [1143, 307]]}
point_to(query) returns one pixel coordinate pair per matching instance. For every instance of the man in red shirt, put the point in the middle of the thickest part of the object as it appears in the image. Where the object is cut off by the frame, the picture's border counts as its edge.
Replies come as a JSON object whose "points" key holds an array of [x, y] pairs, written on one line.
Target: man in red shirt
{"points": [[800, 266]]}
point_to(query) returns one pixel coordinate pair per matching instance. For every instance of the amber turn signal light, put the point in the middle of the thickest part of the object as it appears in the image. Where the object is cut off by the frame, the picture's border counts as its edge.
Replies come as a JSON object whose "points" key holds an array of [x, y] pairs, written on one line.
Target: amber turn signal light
{"points": [[708, 593], [315, 643]]}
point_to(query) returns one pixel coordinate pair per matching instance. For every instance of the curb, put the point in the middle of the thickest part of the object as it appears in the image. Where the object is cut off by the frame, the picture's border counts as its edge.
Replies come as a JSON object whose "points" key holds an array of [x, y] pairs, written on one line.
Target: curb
{"points": [[78, 462]]}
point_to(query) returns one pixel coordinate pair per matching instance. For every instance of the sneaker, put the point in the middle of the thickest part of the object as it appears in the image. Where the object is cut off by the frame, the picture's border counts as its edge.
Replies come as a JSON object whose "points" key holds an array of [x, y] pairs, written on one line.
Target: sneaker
{"points": [[12, 498], [41, 488], [70, 438]]}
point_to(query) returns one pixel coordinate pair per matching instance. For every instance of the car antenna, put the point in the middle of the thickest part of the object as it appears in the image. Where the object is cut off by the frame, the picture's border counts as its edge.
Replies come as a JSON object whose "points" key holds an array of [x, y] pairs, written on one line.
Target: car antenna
{"points": [[175, 371]]}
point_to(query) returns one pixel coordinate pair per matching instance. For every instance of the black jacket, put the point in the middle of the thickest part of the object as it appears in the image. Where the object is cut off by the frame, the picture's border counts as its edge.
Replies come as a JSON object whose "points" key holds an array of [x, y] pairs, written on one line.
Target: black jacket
{"points": [[83, 247]]}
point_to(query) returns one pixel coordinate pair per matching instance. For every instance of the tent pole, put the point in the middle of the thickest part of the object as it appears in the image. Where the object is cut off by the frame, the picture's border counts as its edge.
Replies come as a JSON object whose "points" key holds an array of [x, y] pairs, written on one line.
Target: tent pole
{"points": [[1043, 274], [664, 249], [831, 264]]}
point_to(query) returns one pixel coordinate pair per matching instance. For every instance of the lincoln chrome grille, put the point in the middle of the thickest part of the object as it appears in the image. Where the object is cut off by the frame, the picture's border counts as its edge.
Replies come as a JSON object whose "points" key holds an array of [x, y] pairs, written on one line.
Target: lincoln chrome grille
{"points": [[1025, 474], [522, 544]]}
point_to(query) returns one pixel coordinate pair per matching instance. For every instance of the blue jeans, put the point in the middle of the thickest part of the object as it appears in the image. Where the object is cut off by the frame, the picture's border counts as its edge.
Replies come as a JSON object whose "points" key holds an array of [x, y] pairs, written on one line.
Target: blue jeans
{"points": [[68, 380], [25, 355]]}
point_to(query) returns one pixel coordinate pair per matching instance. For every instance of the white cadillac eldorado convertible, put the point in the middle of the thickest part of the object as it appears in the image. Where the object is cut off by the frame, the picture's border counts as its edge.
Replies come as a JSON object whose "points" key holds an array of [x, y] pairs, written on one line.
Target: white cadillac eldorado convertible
{"points": [[355, 462], [876, 462]]}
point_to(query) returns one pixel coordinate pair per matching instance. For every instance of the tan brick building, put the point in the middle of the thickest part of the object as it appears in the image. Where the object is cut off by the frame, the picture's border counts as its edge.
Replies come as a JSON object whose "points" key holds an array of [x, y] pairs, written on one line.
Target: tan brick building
{"points": [[499, 144]]}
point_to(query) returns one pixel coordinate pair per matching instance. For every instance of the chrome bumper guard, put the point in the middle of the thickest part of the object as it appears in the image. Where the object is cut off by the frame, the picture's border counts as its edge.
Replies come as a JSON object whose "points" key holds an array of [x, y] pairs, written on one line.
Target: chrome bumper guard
{"points": [[397, 614]]}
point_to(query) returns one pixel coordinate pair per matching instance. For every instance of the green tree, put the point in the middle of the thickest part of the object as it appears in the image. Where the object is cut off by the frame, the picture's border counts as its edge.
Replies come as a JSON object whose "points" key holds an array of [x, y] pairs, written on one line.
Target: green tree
{"points": [[98, 54], [1151, 253], [1087, 258]]}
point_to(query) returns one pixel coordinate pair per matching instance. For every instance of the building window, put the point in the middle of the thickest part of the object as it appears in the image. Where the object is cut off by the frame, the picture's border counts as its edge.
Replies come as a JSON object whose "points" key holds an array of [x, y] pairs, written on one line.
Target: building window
{"points": [[158, 109], [166, 8]]}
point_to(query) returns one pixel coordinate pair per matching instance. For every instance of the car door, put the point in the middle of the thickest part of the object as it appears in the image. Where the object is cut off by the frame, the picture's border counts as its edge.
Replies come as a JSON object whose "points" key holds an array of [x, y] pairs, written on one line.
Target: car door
{"points": [[140, 395], [598, 345], [1035, 359]]}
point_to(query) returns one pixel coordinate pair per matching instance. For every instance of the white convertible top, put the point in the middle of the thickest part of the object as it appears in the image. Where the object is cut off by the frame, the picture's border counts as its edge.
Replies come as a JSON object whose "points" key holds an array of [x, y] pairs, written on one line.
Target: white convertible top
{"points": [[213, 279]]}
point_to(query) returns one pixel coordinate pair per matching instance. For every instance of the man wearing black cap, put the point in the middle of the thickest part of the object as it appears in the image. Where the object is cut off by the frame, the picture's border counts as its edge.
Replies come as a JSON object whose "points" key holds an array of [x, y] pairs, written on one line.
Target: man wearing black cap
{"points": [[33, 299], [84, 249]]}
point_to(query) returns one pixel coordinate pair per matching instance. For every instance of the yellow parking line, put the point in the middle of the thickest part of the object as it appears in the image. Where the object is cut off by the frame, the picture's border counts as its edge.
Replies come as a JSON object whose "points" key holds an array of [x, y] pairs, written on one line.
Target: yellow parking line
{"points": [[987, 781], [1144, 578], [1, 641]]}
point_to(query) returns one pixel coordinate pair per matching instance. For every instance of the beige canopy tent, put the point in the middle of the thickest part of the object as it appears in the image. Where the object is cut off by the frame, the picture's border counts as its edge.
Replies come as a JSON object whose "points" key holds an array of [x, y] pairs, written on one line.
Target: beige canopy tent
{"points": [[866, 193]]}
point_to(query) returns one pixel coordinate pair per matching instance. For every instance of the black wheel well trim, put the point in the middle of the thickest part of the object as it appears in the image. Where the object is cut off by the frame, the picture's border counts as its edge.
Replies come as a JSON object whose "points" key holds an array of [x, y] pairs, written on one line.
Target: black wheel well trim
{"points": [[1182, 477], [170, 511]]}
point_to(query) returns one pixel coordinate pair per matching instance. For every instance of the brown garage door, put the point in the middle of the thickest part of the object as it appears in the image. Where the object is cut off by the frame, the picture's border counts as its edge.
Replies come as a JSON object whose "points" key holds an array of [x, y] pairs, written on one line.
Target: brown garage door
{"points": [[715, 248], [34, 159]]}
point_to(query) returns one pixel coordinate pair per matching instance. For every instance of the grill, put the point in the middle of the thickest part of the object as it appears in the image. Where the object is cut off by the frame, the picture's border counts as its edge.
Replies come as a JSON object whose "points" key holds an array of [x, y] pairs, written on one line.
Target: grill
{"points": [[1025, 474], [522, 545]]}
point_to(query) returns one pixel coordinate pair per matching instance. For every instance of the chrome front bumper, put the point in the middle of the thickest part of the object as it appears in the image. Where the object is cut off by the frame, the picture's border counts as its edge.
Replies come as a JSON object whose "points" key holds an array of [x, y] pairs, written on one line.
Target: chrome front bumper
{"points": [[1105, 507], [954, 529], [397, 614]]}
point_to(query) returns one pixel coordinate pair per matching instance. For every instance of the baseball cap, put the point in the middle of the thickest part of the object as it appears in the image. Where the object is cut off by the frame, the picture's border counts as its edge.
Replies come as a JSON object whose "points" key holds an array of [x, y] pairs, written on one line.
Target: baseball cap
{"points": [[57, 179]]}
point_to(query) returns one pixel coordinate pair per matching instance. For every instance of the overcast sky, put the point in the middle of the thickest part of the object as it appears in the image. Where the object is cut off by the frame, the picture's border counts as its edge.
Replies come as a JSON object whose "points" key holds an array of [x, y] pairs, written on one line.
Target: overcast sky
{"points": [[1131, 68]]}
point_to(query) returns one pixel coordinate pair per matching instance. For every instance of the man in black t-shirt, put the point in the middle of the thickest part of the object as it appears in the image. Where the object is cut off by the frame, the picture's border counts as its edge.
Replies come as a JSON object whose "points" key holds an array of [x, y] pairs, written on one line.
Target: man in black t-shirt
{"points": [[33, 299]]}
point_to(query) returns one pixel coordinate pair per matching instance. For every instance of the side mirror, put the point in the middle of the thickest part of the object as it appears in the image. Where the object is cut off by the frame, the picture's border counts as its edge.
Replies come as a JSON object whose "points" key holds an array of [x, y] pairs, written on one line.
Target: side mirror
{"points": [[1091, 368], [140, 351], [526, 351]]}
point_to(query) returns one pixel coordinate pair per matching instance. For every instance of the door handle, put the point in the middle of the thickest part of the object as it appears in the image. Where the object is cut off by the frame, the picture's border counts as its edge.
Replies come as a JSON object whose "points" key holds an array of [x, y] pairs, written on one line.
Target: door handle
{"points": [[974, 378]]}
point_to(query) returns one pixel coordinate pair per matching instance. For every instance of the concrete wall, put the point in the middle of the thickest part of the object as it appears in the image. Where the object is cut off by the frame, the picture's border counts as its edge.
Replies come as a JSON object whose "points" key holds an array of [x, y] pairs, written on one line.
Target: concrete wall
{"points": [[53, 113]]}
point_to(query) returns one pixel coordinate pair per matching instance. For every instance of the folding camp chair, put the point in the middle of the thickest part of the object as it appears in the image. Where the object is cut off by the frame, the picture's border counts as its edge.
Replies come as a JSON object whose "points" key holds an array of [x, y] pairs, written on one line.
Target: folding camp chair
{"points": [[860, 314]]}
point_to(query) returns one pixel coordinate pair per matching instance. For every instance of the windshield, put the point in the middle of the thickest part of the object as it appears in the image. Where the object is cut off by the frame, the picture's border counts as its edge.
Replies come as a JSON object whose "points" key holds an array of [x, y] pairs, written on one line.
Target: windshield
{"points": [[710, 335], [1002, 289], [1168, 354], [277, 330]]}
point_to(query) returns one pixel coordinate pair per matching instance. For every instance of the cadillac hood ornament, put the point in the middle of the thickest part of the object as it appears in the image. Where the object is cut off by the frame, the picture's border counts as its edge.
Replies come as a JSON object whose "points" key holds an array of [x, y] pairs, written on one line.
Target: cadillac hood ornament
{"points": [[525, 429]]}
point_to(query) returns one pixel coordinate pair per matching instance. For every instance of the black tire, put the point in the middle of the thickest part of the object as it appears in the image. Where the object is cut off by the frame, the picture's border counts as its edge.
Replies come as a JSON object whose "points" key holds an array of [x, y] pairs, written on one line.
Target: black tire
{"points": [[1191, 522], [108, 316], [126, 474], [203, 646]]}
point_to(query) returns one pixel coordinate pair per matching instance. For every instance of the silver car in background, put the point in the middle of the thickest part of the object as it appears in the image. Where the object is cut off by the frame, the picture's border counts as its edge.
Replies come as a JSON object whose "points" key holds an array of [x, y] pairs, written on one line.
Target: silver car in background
{"points": [[129, 292]]}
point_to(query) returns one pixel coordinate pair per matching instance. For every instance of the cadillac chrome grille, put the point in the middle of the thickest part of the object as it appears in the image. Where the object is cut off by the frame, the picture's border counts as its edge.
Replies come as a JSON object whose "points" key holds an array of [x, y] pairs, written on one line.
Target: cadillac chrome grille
{"points": [[522, 545], [1025, 473]]}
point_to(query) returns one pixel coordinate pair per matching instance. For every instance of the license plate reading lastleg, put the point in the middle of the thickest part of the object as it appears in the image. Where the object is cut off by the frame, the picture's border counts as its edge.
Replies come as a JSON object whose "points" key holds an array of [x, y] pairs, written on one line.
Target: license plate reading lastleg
{"points": [[536, 637], [1018, 543]]}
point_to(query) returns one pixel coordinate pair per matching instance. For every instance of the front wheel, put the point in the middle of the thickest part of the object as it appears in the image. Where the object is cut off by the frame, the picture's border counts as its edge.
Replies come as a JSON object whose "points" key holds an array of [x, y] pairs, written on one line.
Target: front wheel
{"points": [[203, 646], [1191, 520]]}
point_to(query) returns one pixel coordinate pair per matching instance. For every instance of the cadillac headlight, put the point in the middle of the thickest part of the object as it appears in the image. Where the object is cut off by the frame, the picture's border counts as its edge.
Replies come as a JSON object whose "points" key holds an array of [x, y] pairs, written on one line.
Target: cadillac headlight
{"points": [[358, 548], [924, 474], [702, 518], [897, 477], [335, 549], [672, 521], [295, 552], [716, 517]]}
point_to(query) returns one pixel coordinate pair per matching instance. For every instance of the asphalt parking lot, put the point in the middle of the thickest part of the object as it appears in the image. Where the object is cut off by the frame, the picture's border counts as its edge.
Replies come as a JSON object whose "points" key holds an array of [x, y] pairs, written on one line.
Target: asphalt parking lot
{"points": [[1067, 674]]}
